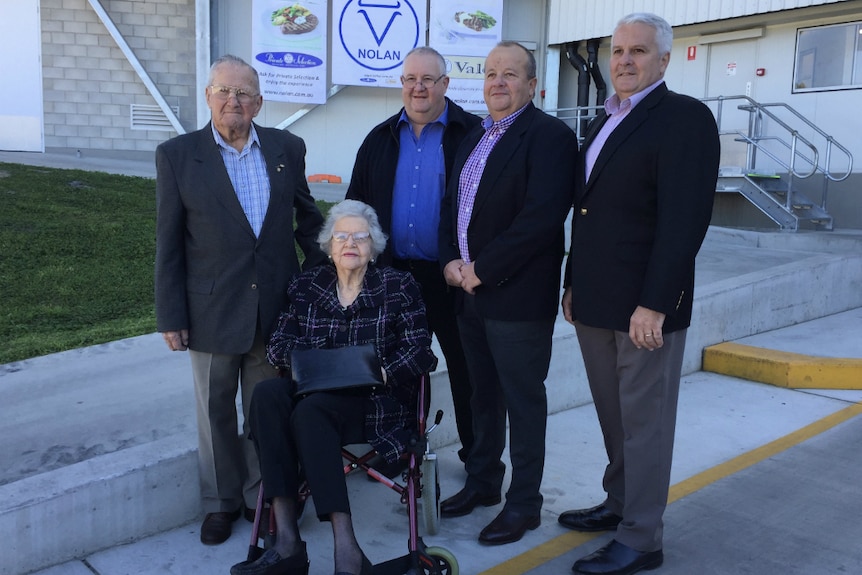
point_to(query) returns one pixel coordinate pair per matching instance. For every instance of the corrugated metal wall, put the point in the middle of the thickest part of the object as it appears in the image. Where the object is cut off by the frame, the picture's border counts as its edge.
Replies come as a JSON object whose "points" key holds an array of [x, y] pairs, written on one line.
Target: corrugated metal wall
{"points": [[572, 20]]}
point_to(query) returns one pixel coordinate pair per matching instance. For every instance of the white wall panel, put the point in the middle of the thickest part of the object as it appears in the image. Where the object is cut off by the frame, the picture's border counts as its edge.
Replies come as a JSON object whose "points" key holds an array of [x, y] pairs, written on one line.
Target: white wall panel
{"points": [[571, 20]]}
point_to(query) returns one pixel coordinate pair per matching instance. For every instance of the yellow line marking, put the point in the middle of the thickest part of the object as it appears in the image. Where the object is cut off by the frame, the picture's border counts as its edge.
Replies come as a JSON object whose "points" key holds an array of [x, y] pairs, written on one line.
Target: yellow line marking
{"points": [[564, 543]]}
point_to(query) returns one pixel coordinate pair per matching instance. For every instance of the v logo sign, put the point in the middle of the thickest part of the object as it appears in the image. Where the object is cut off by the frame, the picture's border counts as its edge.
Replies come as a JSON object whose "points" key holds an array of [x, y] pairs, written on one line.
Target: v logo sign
{"points": [[379, 39]]}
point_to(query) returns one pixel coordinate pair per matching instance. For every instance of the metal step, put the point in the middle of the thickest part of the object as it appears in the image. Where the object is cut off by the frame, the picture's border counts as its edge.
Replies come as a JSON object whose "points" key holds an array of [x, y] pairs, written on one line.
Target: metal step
{"points": [[767, 192]]}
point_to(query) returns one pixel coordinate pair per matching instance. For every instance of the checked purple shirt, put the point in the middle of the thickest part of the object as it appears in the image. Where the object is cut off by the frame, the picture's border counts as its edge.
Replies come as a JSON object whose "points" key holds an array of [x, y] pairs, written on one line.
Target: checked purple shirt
{"points": [[471, 174]]}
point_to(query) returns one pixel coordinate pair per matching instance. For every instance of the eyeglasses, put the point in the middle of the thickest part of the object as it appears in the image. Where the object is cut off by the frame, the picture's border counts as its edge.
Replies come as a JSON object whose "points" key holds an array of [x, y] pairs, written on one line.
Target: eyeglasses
{"points": [[427, 82], [223, 93], [358, 237]]}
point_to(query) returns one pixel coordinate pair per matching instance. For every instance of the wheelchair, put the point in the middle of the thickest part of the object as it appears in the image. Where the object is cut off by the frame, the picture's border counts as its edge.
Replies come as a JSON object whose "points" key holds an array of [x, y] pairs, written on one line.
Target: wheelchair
{"points": [[419, 487]]}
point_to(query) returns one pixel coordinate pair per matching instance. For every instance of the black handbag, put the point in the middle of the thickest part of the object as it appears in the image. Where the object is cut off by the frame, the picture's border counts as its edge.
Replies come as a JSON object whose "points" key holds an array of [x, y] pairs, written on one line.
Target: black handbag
{"points": [[332, 369]]}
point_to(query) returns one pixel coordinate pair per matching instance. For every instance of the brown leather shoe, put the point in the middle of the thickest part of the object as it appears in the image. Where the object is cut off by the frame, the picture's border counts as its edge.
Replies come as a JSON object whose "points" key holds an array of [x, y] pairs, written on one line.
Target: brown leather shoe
{"points": [[508, 527], [216, 527], [463, 502], [598, 518]]}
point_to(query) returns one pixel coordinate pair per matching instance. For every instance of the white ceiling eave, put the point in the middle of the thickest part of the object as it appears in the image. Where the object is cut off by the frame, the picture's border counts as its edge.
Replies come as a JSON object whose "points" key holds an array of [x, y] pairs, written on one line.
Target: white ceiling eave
{"points": [[571, 20]]}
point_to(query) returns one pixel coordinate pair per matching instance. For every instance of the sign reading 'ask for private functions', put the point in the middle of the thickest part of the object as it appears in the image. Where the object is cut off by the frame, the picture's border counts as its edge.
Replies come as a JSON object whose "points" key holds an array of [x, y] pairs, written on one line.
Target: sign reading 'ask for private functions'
{"points": [[371, 38]]}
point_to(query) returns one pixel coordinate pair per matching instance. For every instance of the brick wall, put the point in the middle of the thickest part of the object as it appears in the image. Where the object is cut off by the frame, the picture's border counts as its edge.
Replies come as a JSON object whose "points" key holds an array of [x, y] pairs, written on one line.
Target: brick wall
{"points": [[88, 83]]}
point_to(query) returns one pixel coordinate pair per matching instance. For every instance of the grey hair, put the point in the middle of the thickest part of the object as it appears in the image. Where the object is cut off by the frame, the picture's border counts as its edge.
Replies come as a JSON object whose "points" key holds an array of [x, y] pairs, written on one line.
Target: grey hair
{"points": [[230, 59], [663, 30], [428, 51], [531, 60], [352, 209]]}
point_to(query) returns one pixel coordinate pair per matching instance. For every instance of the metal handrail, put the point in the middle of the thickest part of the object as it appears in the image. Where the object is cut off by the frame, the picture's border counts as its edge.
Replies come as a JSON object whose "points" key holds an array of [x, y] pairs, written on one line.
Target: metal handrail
{"points": [[754, 136]]}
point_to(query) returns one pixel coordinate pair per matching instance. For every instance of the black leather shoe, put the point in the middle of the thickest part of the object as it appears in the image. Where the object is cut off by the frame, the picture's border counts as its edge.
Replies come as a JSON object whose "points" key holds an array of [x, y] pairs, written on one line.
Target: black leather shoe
{"points": [[465, 501], [271, 563], [508, 527], [618, 559], [216, 527], [598, 518]]}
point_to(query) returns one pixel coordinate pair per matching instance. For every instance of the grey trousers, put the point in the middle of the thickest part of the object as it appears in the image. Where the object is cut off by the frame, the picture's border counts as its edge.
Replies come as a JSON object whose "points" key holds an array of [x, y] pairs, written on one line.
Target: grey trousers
{"points": [[635, 393], [227, 463]]}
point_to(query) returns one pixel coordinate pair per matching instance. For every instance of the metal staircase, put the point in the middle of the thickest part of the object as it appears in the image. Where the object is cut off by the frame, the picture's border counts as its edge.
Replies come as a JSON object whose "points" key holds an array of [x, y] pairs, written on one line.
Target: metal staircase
{"points": [[768, 150], [776, 151]]}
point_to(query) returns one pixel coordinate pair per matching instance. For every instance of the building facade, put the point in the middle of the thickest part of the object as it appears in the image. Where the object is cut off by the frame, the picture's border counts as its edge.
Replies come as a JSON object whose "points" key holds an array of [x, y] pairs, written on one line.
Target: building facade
{"points": [[120, 76]]}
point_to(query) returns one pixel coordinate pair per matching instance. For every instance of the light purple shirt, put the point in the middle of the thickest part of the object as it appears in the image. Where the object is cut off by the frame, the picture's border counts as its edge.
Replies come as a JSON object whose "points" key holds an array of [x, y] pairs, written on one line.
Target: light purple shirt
{"points": [[471, 174], [617, 112], [247, 172]]}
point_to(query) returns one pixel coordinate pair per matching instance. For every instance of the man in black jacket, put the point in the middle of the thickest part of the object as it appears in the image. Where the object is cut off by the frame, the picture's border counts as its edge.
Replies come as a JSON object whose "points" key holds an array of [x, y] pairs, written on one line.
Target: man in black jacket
{"points": [[402, 169]]}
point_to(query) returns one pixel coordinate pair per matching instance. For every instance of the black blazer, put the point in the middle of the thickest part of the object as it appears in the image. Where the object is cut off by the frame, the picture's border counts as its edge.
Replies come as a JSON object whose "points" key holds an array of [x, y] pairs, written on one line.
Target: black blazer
{"points": [[516, 234], [213, 276], [640, 219]]}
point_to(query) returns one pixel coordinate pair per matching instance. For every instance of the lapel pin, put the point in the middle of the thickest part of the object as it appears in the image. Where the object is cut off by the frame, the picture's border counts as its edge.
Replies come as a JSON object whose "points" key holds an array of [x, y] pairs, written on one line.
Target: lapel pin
{"points": [[279, 168]]}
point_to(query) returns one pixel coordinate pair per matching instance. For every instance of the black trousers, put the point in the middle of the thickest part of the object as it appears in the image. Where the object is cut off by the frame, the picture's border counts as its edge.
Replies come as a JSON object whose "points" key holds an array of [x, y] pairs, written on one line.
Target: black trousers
{"points": [[508, 362], [439, 301], [310, 431]]}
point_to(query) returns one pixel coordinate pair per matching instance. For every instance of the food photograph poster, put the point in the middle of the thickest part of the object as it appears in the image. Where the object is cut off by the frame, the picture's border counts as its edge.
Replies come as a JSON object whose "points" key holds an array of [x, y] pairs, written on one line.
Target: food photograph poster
{"points": [[464, 31], [289, 49], [371, 38]]}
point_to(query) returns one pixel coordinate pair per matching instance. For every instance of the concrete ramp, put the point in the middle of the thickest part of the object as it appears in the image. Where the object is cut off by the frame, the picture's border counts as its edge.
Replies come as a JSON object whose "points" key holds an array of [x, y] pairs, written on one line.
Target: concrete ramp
{"points": [[98, 444]]}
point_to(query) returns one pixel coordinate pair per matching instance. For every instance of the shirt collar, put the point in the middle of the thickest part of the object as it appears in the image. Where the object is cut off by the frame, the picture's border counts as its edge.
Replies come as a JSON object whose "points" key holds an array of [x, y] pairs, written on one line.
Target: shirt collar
{"points": [[442, 119], [613, 104], [252, 139], [504, 123]]}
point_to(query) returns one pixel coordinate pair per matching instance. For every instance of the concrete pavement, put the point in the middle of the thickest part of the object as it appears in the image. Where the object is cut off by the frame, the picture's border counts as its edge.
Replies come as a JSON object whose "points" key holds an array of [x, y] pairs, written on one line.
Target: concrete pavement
{"points": [[99, 471]]}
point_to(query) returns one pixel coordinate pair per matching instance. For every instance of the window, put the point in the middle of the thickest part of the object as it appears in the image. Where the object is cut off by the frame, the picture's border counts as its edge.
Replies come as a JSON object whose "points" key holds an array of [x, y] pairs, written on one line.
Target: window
{"points": [[828, 58]]}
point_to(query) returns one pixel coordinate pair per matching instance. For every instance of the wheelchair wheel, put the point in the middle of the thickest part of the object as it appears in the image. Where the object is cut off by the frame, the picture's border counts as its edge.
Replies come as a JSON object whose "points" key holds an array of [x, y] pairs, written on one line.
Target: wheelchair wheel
{"points": [[442, 562], [430, 494]]}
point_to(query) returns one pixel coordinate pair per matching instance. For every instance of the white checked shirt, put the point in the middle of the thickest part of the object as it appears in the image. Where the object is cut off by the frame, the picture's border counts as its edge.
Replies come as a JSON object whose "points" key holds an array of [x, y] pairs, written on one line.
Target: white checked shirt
{"points": [[247, 172]]}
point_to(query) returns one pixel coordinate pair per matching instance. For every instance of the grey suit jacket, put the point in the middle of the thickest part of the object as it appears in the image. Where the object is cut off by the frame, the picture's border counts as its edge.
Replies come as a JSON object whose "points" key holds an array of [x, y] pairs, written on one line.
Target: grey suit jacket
{"points": [[213, 276]]}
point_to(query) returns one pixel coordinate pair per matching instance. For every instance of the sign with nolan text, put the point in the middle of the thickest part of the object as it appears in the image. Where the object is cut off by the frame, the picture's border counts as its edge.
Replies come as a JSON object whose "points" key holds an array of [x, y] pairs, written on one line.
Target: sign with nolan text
{"points": [[371, 38], [289, 49]]}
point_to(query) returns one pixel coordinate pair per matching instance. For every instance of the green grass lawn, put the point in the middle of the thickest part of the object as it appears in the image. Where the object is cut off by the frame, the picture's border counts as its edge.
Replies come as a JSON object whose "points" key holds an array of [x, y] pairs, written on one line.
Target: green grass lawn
{"points": [[76, 259]]}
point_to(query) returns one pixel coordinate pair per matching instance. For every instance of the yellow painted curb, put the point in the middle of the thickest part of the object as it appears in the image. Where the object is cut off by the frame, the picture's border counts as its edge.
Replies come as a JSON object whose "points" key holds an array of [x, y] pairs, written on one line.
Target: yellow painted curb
{"points": [[781, 368]]}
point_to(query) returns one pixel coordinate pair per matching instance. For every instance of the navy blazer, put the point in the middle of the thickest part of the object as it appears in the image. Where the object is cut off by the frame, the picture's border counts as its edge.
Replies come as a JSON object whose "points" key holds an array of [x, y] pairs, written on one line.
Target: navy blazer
{"points": [[213, 276], [516, 234], [640, 219]]}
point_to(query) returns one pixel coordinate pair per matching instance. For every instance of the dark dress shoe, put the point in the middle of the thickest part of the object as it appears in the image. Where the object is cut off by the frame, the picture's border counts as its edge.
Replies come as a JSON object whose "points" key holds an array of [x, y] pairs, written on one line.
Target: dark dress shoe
{"points": [[465, 501], [216, 527], [508, 527], [618, 559], [271, 563], [598, 518]]}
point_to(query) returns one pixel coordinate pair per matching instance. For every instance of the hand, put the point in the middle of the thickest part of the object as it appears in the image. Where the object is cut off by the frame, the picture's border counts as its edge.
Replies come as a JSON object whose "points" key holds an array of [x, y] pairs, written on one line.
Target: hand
{"points": [[452, 273], [566, 304], [645, 328], [177, 340], [471, 281]]}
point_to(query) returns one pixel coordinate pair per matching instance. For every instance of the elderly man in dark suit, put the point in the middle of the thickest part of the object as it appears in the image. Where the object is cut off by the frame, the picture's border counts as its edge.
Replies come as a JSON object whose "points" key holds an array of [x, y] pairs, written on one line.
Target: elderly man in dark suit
{"points": [[225, 199], [501, 242], [645, 186]]}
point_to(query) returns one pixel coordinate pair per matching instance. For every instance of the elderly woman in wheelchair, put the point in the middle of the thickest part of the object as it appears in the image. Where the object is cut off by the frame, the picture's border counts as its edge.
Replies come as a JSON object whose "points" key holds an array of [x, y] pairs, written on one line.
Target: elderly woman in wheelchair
{"points": [[350, 307]]}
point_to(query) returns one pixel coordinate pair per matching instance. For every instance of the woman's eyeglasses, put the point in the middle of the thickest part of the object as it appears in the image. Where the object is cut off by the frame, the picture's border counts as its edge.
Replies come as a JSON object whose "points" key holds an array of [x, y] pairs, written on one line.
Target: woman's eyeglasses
{"points": [[358, 237]]}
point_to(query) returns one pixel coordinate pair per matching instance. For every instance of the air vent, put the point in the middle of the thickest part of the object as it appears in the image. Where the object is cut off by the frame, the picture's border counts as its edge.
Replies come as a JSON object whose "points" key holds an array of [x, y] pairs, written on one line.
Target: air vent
{"points": [[147, 117]]}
